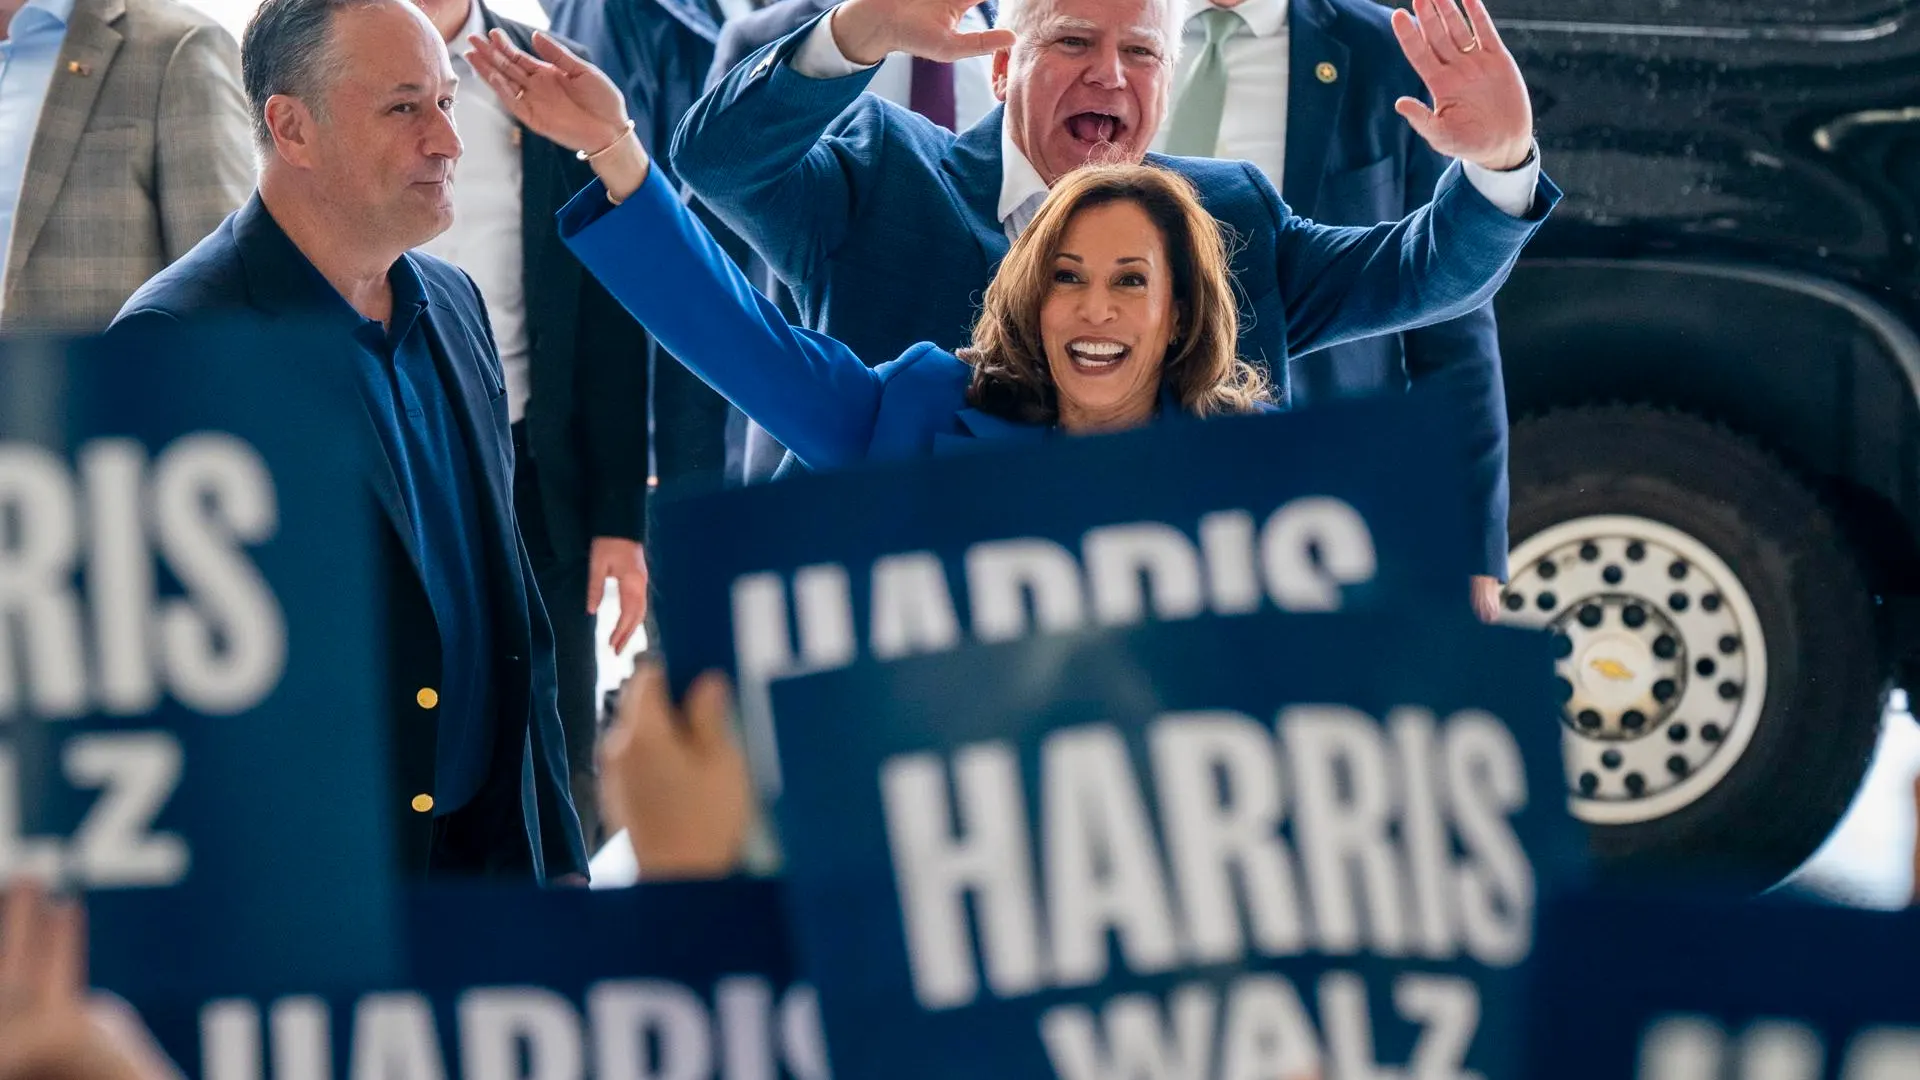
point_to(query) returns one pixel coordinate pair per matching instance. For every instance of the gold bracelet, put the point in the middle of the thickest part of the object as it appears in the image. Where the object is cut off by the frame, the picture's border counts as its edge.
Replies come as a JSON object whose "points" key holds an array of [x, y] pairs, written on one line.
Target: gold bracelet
{"points": [[618, 139]]}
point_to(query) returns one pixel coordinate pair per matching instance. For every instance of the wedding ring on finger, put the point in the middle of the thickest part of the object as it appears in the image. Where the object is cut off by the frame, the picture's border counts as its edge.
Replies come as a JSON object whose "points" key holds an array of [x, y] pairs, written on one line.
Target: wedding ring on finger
{"points": [[1470, 46]]}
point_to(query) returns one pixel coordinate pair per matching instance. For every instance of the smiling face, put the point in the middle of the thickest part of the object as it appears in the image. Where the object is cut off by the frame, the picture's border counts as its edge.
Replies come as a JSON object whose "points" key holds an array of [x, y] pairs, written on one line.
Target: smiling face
{"points": [[383, 146], [1107, 316], [1088, 80]]}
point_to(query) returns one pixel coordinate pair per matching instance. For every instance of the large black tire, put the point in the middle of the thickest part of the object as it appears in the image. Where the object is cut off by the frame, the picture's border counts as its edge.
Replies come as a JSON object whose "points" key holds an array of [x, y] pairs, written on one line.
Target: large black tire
{"points": [[1826, 682]]}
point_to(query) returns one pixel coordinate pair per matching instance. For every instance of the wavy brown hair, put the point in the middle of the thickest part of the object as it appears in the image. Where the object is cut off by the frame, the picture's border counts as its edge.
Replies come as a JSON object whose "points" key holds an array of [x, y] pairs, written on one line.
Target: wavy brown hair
{"points": [[1011, 378]]}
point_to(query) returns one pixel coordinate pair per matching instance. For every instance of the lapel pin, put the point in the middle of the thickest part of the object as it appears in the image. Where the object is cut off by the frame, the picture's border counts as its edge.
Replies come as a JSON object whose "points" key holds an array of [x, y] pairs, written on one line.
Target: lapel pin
{"points": [[1326, 72], [515, 138], [78, 68]]}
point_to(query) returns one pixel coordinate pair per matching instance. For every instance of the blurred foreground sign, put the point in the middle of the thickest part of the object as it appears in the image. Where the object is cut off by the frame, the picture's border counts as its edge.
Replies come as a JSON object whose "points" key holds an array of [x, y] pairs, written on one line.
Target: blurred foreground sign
{"points": [[188, 654], [1259, 846], [1686, 987], [1350, 507], [666, 982]]}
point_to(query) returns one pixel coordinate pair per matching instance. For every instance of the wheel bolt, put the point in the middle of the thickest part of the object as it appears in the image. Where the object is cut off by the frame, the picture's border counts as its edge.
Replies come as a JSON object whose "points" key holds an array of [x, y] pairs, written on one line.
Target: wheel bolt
{"points": [[1590, 616], [1566, 689], [1546, 601], [1633, 719], [1677, 733], [1710, 602], [1729, 691], [1710, 732], [1515, 601], [1729, 645], [1547, 569], [1589, 783], [1634, 616], [1706, 667], [1678, 571], [1636, 551], [1665, 647], [1612, 575], [1678, 601], [1677, 765], [1664, 690], [1611, 759], [1588, 719], [1636, 783], [1589, 551], [1562, 646]]}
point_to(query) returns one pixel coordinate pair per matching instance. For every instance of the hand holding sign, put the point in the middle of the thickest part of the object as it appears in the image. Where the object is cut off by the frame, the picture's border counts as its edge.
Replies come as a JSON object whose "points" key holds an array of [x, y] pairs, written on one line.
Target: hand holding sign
{"points": [[48, 1027], [677, 783]]}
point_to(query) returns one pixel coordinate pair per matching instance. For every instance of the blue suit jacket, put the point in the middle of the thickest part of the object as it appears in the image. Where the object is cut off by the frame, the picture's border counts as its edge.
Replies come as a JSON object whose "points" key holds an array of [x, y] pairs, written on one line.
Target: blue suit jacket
{"points": [[515, 816], [658, 52], [816, 395], [1351, 160], [886, 227]]}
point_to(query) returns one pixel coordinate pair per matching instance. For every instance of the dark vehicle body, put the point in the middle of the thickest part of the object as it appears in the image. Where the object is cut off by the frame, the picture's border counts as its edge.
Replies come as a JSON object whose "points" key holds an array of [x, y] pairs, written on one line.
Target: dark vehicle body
{"points": [[1719, 331]]}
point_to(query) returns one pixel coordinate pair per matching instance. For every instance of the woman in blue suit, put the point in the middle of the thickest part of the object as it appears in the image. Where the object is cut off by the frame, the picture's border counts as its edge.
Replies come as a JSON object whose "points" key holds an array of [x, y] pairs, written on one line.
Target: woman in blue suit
{"points": [[1113, 308]]}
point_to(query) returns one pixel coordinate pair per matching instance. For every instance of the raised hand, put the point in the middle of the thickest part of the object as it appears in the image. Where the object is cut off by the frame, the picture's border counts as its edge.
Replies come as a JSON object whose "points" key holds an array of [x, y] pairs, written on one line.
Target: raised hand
{"points": [[675, 779], [1481, 112], [867, 30], [560, 96]]}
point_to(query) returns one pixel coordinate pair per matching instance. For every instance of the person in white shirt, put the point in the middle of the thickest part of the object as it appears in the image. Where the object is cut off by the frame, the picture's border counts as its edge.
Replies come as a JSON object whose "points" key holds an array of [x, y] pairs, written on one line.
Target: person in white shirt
{"points": [[576, 378], [1305, 90]]}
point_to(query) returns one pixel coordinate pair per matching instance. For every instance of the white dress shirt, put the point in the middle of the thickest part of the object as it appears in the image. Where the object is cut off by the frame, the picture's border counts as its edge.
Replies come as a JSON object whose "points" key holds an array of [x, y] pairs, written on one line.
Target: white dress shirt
{"points": [[1022, 191], [485, 239], [29, 57], [1253, 126], [819, 57]]}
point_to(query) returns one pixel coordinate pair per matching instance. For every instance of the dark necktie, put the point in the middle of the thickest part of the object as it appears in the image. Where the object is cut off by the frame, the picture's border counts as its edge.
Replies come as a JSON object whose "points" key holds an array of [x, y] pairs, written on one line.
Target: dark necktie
{"points": [[932, 92]]}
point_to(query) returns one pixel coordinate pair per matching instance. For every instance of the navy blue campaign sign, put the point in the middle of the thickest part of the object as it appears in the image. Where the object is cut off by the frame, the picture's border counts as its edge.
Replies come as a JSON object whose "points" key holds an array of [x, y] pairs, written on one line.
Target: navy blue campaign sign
{"points": [[1351, 507], [662, 982], [1255, 846], [188, 654], [1685, 987]]}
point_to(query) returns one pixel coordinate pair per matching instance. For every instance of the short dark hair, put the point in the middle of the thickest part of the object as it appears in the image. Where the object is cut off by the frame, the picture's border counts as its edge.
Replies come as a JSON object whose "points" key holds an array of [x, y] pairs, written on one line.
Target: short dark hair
{"points": [[285, 51]]}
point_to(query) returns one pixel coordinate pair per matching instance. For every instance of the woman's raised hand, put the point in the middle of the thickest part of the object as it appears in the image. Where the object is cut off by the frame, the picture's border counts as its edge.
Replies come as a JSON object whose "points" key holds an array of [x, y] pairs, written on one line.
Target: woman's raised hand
{"points": [[561, 98]]}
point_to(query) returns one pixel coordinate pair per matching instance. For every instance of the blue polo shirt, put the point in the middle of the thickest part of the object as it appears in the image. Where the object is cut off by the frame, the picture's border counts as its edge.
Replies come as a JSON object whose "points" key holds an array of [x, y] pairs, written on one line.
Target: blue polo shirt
{"points": [[416, 424]]}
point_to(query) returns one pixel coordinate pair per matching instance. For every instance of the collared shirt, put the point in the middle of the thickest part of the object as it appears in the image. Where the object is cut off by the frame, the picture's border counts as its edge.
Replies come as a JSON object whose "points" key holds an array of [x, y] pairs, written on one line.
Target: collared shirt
{"points": [[420, 432], [485, 239], [29, 57], [1022, 191], [819, 57], [1253, 126]]}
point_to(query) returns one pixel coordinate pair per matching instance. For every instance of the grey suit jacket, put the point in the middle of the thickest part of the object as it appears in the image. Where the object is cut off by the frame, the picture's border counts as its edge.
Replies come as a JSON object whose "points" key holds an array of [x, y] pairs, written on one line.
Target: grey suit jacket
{"points": [[143, 147]]}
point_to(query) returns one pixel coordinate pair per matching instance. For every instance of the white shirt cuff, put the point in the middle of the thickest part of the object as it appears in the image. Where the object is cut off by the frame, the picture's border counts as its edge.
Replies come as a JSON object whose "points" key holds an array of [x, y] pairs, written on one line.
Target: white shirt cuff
{"points": [[1511, 191], [819, 57]]}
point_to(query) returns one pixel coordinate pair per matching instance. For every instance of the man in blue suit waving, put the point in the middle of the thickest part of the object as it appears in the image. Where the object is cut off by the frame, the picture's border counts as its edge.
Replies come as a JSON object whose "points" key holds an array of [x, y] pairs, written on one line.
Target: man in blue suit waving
{"points": [[887, 228]]}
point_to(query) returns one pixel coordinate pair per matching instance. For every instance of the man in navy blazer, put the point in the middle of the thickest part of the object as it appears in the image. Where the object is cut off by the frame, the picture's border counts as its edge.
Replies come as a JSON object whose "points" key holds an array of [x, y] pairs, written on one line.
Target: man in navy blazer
{"points": [[351, 103], [887, 228], [1309, 89]]}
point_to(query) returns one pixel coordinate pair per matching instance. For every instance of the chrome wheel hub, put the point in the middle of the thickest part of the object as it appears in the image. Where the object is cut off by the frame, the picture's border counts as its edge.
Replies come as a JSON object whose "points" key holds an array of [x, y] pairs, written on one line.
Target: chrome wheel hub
{"points": [[1660, 658]]}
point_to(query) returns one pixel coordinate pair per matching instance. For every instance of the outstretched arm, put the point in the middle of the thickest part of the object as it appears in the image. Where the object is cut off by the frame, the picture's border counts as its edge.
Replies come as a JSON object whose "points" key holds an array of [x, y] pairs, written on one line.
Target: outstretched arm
{"points": [[630, 229], [1446, 258]]}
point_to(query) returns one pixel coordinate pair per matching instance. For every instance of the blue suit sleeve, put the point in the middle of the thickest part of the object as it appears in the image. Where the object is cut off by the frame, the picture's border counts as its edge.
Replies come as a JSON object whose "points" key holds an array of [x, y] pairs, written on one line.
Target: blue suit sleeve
{"points": [[757, 149], [808, 390], [1445, 259], [1459, 360]]}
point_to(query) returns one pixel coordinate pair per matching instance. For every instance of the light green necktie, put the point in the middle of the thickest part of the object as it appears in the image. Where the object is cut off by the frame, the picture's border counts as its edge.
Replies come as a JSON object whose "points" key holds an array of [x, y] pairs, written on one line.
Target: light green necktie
{"points": [[1196, 116]]}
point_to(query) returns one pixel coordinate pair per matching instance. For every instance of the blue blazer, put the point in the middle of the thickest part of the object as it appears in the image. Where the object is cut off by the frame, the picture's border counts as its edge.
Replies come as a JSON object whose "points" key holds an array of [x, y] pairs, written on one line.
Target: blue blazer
{"points": [[1351, 160], [815, 394], [509, 784]]}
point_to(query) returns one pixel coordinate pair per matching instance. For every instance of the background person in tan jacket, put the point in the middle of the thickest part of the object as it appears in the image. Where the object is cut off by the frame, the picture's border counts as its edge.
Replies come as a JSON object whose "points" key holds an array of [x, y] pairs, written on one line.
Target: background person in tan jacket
{"points": [[124, 140]]}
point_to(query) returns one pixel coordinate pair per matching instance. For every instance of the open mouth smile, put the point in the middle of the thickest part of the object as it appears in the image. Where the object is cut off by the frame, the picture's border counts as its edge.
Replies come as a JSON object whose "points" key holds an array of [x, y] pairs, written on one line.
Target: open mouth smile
{"points": [[1094, 128], [1096, 355]]}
